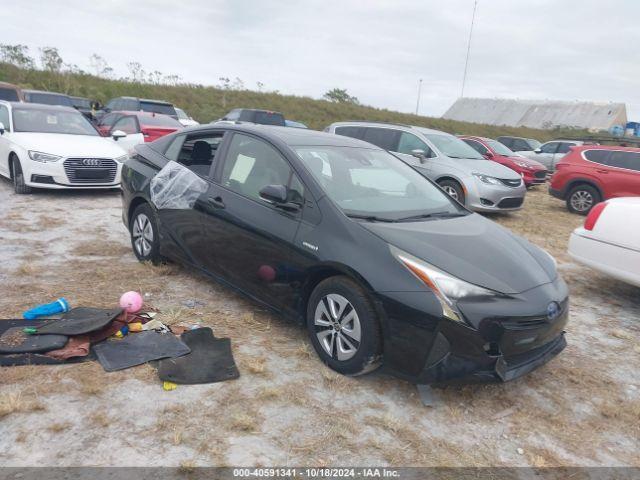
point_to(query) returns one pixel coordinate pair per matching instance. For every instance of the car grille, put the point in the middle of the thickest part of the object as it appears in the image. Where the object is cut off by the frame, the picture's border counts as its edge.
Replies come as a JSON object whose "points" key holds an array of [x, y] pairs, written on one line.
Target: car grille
{"points": [[90, 170], [541, 174], [511, 183], [510, 202], [524, 323]]}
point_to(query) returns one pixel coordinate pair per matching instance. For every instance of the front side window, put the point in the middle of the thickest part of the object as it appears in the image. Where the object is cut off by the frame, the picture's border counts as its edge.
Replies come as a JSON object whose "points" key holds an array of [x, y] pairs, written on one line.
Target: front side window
{"points": [[127, 124], [409, 142], [109, 119], [4, 116], [477, 146], [452, 146], [9, 94], [564, 147], [252, 164], [353, 132], [373, 183], [384, 138], [597, 156], [550, 147], [51, 121], [520, 145], [233, 115]]}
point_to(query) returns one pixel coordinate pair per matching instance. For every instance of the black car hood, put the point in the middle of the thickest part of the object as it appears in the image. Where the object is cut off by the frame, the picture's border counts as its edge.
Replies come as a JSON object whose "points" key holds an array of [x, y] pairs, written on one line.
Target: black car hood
{"points": [[473, 249]]}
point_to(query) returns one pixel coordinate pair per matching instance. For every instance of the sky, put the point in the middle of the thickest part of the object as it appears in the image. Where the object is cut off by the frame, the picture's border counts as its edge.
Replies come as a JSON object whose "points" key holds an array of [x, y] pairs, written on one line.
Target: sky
{"points": [[377, 49]]}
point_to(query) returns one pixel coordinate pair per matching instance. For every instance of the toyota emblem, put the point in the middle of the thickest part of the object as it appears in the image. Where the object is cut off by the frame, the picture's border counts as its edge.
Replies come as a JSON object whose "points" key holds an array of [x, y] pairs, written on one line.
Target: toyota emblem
{"points": [[553, 311], [91, 162]]}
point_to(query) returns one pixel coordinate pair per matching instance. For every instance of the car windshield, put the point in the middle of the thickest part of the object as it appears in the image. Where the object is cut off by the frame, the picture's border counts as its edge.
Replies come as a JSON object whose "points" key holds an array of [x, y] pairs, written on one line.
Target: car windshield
{"points": [[82, 103], [452, 146], [534, 143], [154, 107], [9, 94], [51, 121], [181, 114], [159, 121], [269, 118], [501, 149], [50, 99], [375, 185]]}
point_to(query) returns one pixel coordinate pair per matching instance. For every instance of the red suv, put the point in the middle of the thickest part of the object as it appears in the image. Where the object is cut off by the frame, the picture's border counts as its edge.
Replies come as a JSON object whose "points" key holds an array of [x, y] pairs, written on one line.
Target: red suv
{"points": [[592, 173], [151, 125], [532, 172]]}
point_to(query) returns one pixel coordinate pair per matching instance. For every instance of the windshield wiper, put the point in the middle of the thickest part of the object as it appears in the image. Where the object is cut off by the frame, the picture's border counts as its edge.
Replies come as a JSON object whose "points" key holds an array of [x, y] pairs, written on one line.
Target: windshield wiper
{"points": [[369, 218], [433, 215]]}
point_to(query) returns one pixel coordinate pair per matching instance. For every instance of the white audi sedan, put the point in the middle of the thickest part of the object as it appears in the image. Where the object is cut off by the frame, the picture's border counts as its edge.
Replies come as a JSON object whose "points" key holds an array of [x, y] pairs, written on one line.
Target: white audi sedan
{"points": [[46, 146], [609, 241]]}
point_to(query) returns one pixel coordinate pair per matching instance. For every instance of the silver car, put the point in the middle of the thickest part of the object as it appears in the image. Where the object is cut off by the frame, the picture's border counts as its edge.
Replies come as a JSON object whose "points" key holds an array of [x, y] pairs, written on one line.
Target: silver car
{"points": [[480, 184], [550, 153]]}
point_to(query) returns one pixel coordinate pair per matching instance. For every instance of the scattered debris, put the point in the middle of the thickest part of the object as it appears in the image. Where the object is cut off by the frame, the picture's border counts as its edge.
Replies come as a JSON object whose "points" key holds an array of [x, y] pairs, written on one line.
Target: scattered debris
{"points": [[192, 303], [428, 395], [168, 386], [47, 309], [520, 451], [504, 413]]}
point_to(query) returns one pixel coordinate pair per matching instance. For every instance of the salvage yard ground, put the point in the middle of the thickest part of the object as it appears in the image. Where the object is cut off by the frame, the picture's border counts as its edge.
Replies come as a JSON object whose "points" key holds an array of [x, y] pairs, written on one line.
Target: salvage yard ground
{"points": [[583, 408]]}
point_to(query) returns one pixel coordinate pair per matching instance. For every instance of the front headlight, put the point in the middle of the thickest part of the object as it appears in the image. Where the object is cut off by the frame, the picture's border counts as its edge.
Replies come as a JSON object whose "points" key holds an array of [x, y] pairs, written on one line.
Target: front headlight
{"points": [[487, 179], [43, 157], [447, 288]]}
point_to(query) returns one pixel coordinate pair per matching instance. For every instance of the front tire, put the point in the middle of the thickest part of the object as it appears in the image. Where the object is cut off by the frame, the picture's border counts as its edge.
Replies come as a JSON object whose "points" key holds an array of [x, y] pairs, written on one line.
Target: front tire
{"points": [[582, 198], [343, 326], [453, 189], [19, 186], [145, 239]]}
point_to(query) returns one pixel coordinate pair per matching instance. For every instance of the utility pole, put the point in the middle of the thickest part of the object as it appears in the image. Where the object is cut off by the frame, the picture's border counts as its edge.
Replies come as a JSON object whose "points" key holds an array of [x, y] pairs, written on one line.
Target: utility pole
{"points": [[419, 91], [466, 62]]}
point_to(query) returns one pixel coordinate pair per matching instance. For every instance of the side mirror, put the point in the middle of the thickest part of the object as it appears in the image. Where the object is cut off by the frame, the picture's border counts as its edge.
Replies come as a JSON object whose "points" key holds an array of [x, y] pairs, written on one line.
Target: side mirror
{"points": [[118, 134], [2, 129], [419, 154], [278, 195], [538, 150]]}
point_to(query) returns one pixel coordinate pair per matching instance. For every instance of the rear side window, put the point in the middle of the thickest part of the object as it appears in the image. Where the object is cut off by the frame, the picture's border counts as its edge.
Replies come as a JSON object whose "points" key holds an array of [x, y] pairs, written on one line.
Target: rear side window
{"points": [[508, 142], [233, 115], [269, 118], [628, 160], [519, 145], [48, 99], [109, 119], [382, 137], [353, 132], [550, 147], [197, 152], [564, 147], [164, 108], [9, 94], [597, 156]]}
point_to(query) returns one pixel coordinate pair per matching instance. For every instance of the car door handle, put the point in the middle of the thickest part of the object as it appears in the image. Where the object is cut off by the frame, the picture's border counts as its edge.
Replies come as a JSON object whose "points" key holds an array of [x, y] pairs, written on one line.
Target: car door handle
{"points": [[602, 171], [216, 202]]}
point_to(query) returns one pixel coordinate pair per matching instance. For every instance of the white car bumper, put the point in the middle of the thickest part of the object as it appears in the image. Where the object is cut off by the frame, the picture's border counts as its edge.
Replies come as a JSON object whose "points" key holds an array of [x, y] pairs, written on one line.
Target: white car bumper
{"points": [[620, 262], [73, 173]]}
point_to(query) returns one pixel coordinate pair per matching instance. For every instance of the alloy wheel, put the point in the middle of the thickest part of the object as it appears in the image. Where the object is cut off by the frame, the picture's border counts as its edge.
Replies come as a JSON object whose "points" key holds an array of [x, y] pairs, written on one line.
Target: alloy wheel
{"points": [[581, 200], [451, 191], [337, 327], [142, 233]]}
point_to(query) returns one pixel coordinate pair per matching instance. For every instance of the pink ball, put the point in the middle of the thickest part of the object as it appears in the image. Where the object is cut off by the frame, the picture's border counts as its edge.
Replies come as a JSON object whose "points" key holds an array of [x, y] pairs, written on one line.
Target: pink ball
{"points": [[131, 302]]}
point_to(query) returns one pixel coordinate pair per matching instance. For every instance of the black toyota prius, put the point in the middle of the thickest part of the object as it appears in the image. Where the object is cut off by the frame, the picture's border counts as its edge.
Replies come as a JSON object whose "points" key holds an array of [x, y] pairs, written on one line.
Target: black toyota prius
{"points": [[378, 262]]}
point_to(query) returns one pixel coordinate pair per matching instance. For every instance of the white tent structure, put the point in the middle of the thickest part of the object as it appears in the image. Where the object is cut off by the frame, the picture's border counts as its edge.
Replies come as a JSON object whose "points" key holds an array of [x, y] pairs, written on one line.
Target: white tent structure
{"points": [[538, 114]]}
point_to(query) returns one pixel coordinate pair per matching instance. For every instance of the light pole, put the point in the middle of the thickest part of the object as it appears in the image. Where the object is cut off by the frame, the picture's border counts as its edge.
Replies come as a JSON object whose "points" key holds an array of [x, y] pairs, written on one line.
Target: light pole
{"points": [[466, 62], [419, 91]]}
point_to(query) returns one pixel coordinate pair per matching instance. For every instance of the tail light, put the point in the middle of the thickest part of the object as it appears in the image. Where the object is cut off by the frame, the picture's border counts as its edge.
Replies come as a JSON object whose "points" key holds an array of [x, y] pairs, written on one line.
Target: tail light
{"points": [[594, 214]]}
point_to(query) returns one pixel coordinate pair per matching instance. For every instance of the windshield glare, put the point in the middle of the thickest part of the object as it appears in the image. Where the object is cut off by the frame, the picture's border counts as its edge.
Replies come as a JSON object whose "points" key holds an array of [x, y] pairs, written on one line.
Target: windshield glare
{"points": [[369, 182], [51, 121], [534, 143], [501, 149], [452, 146]]}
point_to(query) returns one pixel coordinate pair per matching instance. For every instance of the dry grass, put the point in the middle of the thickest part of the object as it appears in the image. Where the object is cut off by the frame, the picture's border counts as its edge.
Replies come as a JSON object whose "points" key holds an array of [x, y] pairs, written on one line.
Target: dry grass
{"points": [[58, 427], [94, 248], [17, 402]]}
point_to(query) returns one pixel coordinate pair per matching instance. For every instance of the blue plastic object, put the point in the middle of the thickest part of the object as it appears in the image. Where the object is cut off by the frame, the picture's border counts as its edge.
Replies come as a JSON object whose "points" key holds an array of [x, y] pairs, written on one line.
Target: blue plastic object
{"points": [[59, 306]]}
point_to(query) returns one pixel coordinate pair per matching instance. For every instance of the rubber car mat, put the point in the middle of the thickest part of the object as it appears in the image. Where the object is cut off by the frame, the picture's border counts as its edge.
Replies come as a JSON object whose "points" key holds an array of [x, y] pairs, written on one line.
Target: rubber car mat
{"points": [[80, 320], [18, 359], [210, 360], [15, 340], [138, 348]]}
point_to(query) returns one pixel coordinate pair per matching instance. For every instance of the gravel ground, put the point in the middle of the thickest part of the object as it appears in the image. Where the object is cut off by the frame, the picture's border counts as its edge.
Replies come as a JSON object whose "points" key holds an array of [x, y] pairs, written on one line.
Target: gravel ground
{"points": [[581, 409]]}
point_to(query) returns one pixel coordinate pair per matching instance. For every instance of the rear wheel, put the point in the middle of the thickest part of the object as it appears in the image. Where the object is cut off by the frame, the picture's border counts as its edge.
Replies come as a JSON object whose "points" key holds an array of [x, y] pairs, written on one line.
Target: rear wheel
{"points": [[582, 198], [453, 188], [18, 177], [144, 234], [343, 326]]}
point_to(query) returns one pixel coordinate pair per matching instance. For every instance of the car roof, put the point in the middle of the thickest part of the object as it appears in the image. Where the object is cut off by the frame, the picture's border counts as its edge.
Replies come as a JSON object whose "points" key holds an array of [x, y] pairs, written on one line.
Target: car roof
{"points": [[582, 148], [9, 85], [45, 92], [39, 106], [399, 126], [300, 136]]}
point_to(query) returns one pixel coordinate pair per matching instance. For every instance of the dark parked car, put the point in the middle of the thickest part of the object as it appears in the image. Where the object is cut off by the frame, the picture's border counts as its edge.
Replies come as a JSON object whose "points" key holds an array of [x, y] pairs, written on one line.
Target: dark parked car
{"points": [[47, 98], [519, 144], [250, 115], [84, 106], [381, 265], [10, 92], [134, 104]]}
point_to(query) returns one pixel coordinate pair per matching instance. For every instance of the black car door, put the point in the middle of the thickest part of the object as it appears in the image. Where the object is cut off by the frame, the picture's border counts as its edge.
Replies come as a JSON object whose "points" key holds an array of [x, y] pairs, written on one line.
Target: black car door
{"points": [[249, 239], [184, 203]]}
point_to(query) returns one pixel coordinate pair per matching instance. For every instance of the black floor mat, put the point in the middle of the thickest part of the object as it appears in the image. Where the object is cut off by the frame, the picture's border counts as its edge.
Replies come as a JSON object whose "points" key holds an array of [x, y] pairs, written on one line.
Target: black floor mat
{"points": [[78, 321], [210, 360], [15, 340], [138, 348], [15, 360]]}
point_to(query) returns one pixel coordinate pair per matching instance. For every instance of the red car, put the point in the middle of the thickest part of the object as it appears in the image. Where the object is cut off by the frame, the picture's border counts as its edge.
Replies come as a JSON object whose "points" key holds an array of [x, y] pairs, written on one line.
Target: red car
{"points": [[589, 174], [532, 172], [151, 125]]}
